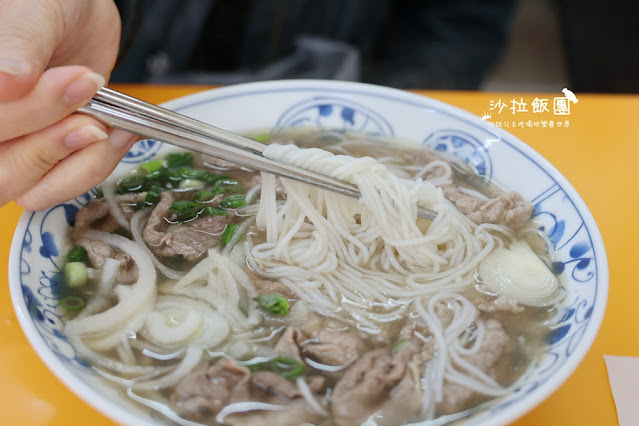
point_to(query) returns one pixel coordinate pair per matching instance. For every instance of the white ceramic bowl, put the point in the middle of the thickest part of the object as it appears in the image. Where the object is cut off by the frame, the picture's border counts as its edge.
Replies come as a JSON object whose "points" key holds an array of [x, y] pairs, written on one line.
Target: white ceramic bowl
{"points": [[34, 261]]}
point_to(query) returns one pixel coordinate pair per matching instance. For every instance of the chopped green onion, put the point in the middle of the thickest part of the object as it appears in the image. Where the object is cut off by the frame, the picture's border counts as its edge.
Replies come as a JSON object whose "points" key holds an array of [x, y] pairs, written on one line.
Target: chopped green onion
{"points": [[187, 216], [176, 159], [77, 254], [151, 166], [264, 137], [228, 233], [233, 202], [72, 303], [207, 196], [212, 211], [202, 175], [183, 205], [99, 193], [229, 185], [186, 210], [76, 274], [398, 345], [172, 175], [273, 303], [155, 177], [287, 367], [132, 183], [153, 195]]}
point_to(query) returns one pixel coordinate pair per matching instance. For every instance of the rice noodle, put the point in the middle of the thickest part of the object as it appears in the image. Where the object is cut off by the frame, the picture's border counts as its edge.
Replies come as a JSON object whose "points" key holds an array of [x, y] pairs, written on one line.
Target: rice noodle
{"points": [[309, 397], [343, 255], [161, 408]]}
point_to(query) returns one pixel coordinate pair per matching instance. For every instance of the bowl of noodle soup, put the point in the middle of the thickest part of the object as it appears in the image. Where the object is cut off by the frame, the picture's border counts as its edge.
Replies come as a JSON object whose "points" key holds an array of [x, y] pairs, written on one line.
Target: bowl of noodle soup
{"points": [[186, 290]]}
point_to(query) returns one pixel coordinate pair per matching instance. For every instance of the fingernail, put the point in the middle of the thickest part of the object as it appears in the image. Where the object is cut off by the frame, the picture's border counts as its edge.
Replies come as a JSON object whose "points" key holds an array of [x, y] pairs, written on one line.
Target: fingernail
{"points": [[83, 136], [83, 88], [14, 69]]}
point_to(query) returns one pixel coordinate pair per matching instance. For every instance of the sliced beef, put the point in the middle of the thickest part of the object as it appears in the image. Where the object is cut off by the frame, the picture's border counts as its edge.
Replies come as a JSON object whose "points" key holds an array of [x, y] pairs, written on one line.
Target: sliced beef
{"points": [[265, 285], [128, 203], [464, 202], [191, 239], [157, 224], [128, 270], [204, 393], [279, 385], [321, 339], [495, 344], [334, 348], [506, 209], [382, 385], [289, 345], [96, 215], [209, 390]]}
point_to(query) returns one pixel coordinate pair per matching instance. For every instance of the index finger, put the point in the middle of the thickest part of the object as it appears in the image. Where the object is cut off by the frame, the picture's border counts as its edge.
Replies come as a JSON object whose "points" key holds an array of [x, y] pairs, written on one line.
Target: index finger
{"points": [[58, 93], [29, 34]]}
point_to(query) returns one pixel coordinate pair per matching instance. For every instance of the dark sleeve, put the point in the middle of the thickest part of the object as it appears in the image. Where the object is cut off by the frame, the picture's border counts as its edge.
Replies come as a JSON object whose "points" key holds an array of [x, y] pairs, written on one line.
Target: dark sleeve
{"points": [[131, 16], [442, 44]]}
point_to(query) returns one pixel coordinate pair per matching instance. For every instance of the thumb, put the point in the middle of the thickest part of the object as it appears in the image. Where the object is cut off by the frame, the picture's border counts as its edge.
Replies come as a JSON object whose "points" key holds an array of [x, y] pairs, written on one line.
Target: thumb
{"points": [[29, 34]]}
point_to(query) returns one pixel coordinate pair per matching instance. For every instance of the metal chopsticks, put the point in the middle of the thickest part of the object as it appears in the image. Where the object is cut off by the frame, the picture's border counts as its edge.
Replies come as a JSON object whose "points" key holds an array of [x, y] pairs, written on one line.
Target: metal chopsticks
{"points": [[133, 115]]}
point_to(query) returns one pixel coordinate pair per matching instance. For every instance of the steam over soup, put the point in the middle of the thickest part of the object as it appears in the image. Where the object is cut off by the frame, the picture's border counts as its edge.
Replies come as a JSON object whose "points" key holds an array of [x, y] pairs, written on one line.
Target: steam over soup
{"points": [[217, 295]]}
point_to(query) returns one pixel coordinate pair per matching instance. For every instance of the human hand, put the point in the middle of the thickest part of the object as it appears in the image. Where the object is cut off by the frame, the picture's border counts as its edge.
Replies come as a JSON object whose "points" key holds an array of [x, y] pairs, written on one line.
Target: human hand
{"points": [[54, 56]]}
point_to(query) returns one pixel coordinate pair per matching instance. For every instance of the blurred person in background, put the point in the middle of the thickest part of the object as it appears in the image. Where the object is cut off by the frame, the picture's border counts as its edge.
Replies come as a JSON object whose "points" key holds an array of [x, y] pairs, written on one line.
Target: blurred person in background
{"points": [[433, 44]]}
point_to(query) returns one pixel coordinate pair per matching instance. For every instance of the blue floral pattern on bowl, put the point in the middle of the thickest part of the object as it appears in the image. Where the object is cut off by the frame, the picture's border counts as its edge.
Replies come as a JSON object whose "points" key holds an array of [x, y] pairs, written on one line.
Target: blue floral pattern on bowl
{"points": [[557, 208], [462, 146], [142, 151], [336, 114]]}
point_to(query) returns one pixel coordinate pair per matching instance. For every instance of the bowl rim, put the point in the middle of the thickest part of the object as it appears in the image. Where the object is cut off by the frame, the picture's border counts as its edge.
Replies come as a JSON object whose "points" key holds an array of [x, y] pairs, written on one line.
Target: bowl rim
{"points": [[508, 414]]}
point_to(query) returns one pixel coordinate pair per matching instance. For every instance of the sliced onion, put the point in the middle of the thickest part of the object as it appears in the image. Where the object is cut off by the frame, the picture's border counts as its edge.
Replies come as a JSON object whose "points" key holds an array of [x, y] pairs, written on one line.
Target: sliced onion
{"points": [[100, 299], [108, 190], [191, 359], [518, 273], [138, 296], [177, 321], [241, 407]]}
